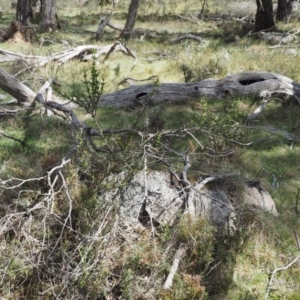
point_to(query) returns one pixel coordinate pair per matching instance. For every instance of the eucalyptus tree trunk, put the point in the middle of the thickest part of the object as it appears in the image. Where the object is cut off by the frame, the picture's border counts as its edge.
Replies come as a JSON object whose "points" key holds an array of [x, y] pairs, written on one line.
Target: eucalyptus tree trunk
{"points": [[264, 15], [48, 16], [131, 18], [36, 8], [24, 12], [281, 10], [284, 10]]}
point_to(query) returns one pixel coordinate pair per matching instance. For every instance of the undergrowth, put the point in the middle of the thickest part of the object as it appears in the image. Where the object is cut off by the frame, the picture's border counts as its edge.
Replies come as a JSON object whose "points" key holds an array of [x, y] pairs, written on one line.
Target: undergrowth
{"points": [[59, 236]]}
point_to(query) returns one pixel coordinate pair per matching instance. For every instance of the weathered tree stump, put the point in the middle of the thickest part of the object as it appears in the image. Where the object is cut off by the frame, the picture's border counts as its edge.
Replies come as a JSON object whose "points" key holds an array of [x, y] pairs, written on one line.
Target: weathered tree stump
{"points": [[18, 31]]}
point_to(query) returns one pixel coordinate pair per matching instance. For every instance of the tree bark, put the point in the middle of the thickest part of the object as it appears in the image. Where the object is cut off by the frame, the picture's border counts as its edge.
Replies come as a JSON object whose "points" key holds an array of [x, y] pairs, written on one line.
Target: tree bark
{"points": [[103, 22], [36, 9], [131, 18], [24, 12], [247, 84], [11, 85], [264, 15], [48, 16], [284, 10]]}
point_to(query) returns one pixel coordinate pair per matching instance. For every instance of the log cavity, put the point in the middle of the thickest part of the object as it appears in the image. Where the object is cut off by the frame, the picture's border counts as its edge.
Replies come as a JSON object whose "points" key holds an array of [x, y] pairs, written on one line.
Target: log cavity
{"points": [[250, 81], [140, 96]]}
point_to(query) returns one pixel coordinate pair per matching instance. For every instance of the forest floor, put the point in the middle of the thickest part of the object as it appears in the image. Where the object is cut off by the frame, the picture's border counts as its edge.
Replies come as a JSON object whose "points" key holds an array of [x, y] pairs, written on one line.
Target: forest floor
{"points": [[86, 262]]}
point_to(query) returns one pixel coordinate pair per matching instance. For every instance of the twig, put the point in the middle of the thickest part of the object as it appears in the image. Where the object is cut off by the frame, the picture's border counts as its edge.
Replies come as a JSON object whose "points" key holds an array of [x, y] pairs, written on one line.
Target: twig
{"points": [[297, 239], [278, 270], [282, 268], [133, 79], [187, 36], [192, 20], [180, 253], [258, 110], [212, 178], [12, 138]]}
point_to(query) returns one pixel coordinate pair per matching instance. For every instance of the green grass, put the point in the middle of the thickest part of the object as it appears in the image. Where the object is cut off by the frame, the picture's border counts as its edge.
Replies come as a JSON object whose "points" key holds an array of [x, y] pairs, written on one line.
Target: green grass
{"points": [[47, 140]]}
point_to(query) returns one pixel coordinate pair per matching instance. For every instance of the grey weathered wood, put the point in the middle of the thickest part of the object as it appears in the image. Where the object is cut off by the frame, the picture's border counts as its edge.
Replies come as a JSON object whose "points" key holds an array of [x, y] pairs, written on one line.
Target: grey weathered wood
{"points": [[66, 55], [185, 37], [131, 18], [180, 253], [102, 24], [14, 87], [246, 84]]}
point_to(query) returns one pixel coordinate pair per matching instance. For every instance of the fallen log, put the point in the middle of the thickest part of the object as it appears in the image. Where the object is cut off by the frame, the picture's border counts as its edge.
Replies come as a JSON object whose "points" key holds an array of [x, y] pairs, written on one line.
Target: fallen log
{"points": [[248, 84], [10, 84], [84, 52]]}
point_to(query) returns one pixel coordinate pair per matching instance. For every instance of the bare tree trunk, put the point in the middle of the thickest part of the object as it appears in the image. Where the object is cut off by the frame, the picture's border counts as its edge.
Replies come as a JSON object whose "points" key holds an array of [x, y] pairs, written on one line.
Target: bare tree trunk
{"points": [[264, 16], [24, 12], [284, 10], [48, 16], [131, 18], [36, 9], [102, 24]]}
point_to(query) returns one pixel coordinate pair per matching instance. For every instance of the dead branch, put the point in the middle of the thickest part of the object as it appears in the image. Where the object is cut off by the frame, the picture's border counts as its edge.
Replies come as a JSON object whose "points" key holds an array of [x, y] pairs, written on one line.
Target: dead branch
{"points": [[279, 270], [193, 19], [283, 268], [68, 112], [201, 185], [137, 31], [14, 87], [297, 239], [281, 132], [84, 52], [186, 36], [11, 112], [115, 27], [102, 24], [127, 80], [11, 137], [259, 110], [180, 253], [20, 92]]}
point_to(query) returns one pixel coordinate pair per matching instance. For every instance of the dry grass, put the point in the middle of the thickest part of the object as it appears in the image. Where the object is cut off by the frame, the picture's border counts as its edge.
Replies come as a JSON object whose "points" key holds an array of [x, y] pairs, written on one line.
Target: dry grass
{"points": [[101, 256]]}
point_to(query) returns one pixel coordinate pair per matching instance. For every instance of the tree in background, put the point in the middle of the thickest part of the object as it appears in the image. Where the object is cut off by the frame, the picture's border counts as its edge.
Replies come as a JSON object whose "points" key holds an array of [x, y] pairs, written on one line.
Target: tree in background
{"points": [[131, 18], [48, 15], [264, 15], [284, 10], [24, 12]]}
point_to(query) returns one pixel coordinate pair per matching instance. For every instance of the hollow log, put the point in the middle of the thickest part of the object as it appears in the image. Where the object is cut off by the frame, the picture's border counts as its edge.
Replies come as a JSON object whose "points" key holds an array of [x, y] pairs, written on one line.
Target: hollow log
{"points": [[262, 84]]}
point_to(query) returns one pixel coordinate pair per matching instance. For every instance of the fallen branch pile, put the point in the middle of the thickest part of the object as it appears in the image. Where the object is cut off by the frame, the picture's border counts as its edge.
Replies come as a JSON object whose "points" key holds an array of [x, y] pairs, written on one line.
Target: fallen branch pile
{"points": [[85, 52]]}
